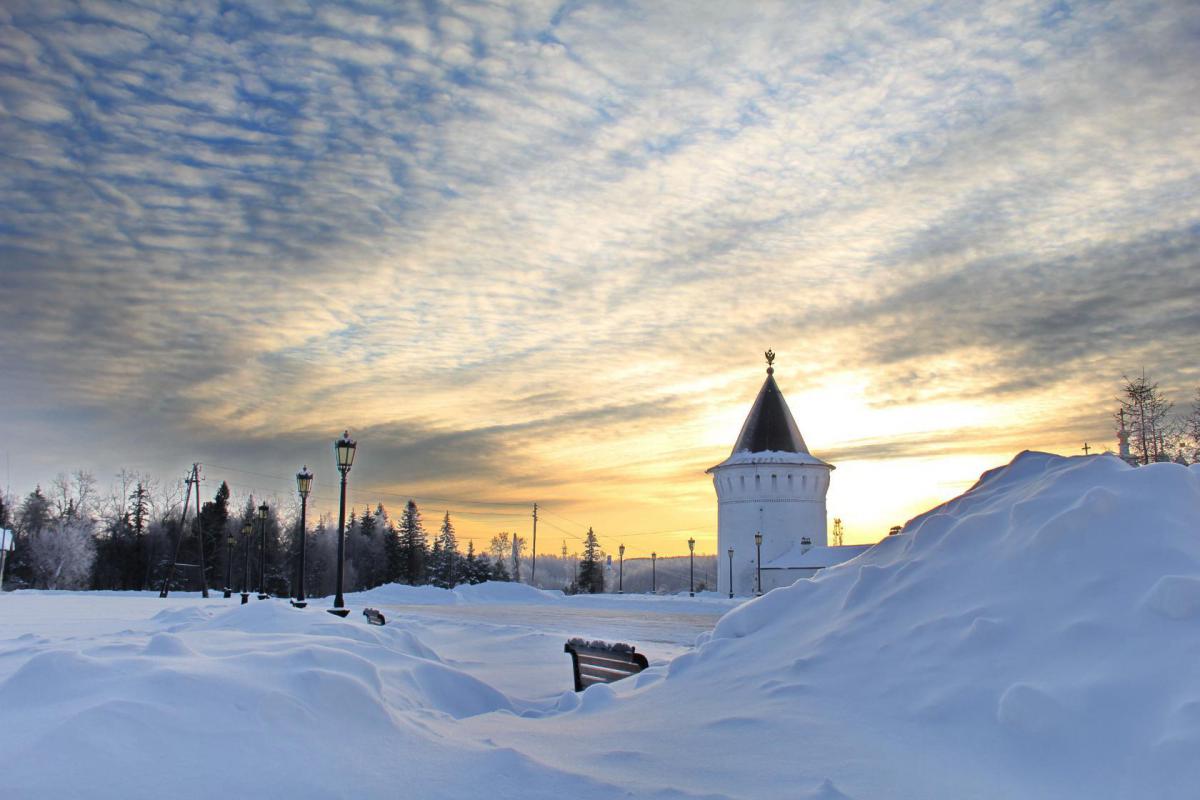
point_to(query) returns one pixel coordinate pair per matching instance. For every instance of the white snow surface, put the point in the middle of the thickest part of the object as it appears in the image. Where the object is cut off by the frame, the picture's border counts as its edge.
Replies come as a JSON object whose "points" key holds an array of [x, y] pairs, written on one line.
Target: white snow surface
{"points": [[1036, 637]]}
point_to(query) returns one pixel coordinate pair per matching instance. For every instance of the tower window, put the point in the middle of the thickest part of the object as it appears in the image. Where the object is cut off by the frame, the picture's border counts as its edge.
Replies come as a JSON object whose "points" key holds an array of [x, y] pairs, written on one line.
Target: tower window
{"points": [[742, 478], [774, 483]]}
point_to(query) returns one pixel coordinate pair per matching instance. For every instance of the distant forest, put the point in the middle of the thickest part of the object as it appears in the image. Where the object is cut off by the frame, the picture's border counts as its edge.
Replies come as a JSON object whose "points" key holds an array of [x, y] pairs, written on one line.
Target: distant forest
{"points": [[72, 537]]}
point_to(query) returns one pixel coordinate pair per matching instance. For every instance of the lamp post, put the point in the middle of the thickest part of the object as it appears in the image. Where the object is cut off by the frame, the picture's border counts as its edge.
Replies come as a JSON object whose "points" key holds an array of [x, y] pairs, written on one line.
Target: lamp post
{"points": [[247, 529], [621, 572], [653, 582], [229, 540], [758, 547], [691, 567], [304, 480], [263, 510], [344, 448], [731, 573]]}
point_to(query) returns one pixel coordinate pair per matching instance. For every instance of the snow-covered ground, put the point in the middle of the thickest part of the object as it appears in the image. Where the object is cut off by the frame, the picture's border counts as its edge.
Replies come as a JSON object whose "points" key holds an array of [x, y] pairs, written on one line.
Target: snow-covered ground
{"points": [[1036, 637]]}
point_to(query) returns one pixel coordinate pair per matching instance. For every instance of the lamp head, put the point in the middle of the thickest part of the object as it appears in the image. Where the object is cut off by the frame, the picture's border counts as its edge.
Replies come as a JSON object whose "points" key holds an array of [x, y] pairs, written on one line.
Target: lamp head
{"points": [[758, 538], [304, 480], [691, 545], [263, 510], [344, 449], [247, 528]]}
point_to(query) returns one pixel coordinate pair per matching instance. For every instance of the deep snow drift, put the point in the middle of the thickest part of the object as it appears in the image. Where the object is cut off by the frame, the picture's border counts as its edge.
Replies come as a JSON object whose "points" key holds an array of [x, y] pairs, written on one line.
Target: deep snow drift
{"points": [[1035, 637]]}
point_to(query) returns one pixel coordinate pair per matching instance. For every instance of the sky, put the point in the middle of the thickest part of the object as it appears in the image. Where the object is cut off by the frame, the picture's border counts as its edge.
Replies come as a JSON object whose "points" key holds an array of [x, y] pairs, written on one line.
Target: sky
{"points": [[533, 252]]}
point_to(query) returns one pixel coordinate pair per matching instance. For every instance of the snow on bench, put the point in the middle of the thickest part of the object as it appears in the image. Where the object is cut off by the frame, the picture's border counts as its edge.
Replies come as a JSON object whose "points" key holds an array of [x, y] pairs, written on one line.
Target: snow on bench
{"points": [[601, 662], [374, 616]]}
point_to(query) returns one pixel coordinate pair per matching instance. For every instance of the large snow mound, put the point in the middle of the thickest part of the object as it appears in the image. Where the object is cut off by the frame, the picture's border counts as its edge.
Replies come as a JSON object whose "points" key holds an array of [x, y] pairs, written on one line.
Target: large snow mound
{"points": [[1042, 628]]}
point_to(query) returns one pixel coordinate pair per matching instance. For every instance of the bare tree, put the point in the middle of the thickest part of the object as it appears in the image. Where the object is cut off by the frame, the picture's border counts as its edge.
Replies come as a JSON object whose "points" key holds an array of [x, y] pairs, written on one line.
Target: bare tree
{"points": [[1191, 429], [73, 495], [1145, 410]]}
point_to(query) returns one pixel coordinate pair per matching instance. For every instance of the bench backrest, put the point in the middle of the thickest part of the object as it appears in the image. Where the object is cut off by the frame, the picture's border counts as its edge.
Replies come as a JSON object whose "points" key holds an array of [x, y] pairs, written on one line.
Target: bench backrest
{"points": [[601, 662]]}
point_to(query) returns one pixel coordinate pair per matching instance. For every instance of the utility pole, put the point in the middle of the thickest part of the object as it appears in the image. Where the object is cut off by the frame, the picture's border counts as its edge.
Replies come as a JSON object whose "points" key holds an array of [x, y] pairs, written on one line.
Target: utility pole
{"points": [[533, 556], [194, 477]]}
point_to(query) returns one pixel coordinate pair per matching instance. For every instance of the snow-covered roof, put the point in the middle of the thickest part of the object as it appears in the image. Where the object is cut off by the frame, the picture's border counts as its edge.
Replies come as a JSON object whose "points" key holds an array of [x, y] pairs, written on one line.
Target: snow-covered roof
{"points": [[772, 457], [816, 557]]}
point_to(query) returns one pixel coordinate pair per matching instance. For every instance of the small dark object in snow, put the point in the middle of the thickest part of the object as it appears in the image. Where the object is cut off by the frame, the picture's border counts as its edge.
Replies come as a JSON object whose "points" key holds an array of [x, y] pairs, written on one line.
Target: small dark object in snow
{"points": [[374, 617], [602, 662]]}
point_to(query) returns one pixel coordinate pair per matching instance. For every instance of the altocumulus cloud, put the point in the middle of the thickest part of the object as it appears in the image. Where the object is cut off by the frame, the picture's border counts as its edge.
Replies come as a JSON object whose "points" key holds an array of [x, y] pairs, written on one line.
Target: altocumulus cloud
{"points": [[276, 219]]}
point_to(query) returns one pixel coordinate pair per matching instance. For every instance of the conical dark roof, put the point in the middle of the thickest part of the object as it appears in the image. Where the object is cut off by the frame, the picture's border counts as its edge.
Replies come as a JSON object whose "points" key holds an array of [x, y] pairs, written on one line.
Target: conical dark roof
{"points": [[769, 426]]}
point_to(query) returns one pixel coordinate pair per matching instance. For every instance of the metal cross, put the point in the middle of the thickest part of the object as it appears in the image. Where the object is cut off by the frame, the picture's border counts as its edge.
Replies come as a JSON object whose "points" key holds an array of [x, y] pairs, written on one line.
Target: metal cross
{"points": [[1086, 448]]}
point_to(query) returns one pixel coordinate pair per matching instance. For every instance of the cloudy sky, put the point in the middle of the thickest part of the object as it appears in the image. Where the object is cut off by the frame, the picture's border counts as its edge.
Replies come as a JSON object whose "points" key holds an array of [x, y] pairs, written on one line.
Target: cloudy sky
{"points": [[534, 251]]}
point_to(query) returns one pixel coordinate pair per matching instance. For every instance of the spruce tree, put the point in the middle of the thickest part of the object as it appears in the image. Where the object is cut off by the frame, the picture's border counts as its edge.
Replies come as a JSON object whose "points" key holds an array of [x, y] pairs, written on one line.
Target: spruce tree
{"points": [[591, 569], [414, 546], [214, 516], [445, 567]]}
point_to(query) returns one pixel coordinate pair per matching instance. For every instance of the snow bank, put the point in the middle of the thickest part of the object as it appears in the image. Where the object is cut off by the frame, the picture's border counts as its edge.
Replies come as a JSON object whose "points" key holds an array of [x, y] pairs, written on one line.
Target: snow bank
{"points": [[490, 592], [1038, 628]]}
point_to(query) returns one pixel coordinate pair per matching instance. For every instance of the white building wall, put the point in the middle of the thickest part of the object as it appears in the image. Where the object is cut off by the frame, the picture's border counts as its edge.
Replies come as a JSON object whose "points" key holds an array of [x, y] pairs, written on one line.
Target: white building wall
{"points": [[785, 502]]}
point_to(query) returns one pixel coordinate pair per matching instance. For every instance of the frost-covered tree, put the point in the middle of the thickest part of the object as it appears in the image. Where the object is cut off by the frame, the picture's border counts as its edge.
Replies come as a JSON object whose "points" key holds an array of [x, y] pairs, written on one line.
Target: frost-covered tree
{"points": [[500, 550], [62, 553]]}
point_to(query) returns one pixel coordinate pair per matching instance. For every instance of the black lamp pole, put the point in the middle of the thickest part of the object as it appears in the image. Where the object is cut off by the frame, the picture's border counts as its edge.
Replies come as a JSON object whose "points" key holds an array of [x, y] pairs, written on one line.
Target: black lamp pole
{"points": [[691, 567], [653, 581], [304, 480], [758, 547], [621, 573], [344, 448], [247, 529], [263, 510], [731, 573], [229, 568]]}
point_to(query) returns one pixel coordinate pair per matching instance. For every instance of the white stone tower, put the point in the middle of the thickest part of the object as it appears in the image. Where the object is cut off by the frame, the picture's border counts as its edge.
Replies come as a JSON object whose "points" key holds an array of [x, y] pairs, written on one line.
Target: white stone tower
{"points": [[770, 484]]}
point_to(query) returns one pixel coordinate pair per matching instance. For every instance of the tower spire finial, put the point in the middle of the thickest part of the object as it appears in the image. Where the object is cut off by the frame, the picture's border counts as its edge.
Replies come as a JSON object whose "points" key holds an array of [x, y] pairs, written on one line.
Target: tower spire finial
{"points": [[770, 354]]}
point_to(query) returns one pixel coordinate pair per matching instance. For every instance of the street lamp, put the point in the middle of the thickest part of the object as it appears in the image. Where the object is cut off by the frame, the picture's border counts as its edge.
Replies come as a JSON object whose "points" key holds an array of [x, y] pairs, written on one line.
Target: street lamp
{"points": [[758, 547], [691, 567], [621, 573], [653, 583], [731, 573], [344, 449], [229, 540], [304, 480], [247, 529], [263, 510]]}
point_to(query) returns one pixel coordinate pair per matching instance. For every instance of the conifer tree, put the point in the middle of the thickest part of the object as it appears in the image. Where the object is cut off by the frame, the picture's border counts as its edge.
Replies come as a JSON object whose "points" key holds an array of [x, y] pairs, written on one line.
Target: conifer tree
{"points": [[445, 565], [414, 546], [591, 570]]}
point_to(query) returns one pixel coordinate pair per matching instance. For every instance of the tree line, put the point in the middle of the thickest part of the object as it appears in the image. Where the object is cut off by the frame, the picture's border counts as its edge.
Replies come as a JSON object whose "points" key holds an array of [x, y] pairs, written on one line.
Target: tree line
{"points": [[70, 537]]}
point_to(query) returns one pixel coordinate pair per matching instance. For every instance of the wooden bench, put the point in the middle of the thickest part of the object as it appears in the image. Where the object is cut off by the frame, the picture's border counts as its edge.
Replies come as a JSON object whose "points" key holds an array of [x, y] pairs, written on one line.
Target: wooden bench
{"points": [[601, 662], [374, 616]]}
